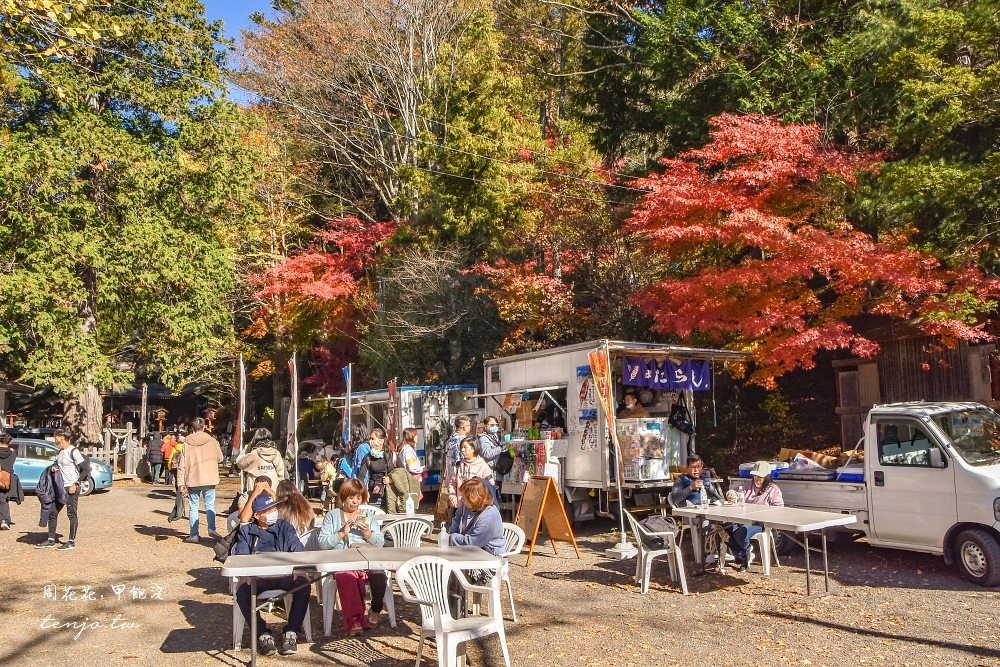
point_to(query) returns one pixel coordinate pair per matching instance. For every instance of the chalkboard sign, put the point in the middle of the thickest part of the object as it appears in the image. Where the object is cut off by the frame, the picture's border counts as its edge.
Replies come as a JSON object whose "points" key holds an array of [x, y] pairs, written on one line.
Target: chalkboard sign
{"points": [[541, 503]]}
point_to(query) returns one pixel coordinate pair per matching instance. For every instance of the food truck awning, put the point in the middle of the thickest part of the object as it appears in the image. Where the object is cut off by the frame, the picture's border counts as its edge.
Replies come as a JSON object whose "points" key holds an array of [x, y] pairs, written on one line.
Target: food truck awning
{"points": [[526, 390], [657, 350]]}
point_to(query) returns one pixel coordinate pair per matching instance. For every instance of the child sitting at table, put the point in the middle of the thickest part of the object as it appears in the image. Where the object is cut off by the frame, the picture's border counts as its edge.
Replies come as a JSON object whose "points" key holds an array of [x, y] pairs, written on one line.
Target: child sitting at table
{"points": [[350, 527]]}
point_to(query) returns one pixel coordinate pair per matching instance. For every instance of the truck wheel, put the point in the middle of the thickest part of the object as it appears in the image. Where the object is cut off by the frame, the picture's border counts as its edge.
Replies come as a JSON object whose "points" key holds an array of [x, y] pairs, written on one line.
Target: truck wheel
{"points": [[978, 556]]}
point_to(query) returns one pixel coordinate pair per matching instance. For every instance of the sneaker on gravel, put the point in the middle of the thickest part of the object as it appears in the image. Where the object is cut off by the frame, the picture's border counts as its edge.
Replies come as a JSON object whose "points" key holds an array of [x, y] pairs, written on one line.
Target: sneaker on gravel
{"points": [[265, 644], [66, 546], [47, 544], [288, 643], [215, 534], [192, 539], [4, 525]]}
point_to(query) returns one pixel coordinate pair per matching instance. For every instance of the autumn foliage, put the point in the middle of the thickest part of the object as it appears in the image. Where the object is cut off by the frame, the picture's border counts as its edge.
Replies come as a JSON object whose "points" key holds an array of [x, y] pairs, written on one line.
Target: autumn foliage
{"points": [[760, 256], [326, 283]]}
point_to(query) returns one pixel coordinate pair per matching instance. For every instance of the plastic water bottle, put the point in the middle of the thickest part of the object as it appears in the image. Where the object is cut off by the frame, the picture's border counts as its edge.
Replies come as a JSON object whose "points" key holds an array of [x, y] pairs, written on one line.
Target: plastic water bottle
{"points": [[409, 504], [443, 536]]}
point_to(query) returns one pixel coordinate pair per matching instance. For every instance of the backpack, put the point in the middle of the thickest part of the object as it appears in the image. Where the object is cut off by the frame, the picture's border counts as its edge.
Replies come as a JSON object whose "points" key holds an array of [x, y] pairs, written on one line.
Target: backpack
{"points": [[82, 468], [504, 463], [679, 417], [4, 480], [494, 491], [658, 524]]}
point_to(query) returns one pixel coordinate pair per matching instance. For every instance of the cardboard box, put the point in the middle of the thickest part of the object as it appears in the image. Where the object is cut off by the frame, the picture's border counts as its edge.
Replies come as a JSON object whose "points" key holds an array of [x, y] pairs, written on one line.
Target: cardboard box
{"points": [[787, 454], [830, 462]]}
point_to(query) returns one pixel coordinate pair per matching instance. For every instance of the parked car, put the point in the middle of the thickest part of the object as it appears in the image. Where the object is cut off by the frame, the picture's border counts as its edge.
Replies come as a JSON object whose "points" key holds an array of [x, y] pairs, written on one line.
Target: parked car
{"points": [[34, 456]]}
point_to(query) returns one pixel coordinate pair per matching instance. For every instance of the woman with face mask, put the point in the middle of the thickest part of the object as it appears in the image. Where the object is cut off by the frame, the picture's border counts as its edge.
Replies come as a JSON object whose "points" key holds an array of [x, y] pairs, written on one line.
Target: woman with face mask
{"points": [[489, 441], [269, 534], [376, 466]]}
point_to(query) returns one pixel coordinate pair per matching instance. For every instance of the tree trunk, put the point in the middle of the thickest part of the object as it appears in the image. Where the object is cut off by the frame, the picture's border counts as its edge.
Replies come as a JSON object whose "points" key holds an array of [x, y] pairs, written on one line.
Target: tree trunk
{"points": [[280, 358], [83, 408], [82, 416]]}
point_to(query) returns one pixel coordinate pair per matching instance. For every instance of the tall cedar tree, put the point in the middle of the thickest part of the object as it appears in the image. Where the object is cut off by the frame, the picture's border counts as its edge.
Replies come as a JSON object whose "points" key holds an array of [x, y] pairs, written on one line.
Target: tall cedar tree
{"points": [[120, 178], [761, 259]]}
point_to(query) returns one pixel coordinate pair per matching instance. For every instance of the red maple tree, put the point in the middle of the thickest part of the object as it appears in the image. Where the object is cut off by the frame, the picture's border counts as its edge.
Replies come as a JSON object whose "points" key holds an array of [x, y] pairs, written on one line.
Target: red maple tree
{"points": [[324, 288], [758, 257]]}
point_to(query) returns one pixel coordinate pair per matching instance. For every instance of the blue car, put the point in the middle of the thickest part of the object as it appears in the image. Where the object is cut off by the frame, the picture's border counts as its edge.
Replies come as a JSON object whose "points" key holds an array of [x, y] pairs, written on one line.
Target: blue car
{"points": [[34, 456]]}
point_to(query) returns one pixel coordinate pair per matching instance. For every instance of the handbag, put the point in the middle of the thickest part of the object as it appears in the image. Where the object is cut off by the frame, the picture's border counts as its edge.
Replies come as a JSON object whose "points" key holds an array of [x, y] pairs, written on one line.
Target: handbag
{"points": [[679, 417], [225, 545]]}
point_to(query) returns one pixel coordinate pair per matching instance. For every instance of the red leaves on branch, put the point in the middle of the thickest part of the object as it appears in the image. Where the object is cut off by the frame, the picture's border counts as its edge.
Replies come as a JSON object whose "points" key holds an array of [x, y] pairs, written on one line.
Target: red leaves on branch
{"points": [[746, 226], [327, 282]]}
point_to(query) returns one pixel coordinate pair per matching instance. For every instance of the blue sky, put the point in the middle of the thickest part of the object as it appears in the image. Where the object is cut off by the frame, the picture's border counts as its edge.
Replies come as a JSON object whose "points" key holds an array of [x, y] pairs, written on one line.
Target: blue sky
{"points": [[235, 14]]}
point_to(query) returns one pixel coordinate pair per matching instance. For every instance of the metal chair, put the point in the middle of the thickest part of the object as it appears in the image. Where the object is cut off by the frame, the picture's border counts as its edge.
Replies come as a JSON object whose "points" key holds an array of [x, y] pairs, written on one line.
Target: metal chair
{"points": [[424, 580], [513, 541], [646, 541]]}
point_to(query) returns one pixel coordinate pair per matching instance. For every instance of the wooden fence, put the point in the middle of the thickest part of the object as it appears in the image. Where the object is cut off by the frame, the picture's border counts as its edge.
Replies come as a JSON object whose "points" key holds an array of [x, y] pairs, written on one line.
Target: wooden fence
{"points": [[118, 450]]}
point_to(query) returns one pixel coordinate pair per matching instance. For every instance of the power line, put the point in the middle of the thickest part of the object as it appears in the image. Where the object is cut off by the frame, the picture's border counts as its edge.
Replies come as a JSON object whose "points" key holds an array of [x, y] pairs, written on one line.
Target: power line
{"points": [[336, 119], [543, 155]]}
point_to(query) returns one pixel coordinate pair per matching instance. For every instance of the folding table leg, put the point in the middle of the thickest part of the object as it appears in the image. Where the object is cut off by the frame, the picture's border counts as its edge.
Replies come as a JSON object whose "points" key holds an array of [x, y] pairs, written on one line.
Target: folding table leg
{"points": [[253, 621]]}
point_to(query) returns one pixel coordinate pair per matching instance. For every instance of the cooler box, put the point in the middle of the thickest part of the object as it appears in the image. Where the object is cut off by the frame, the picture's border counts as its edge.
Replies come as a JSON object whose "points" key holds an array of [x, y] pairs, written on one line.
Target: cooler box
{"points": [[852, 473], [810, 475], [776, 468]]}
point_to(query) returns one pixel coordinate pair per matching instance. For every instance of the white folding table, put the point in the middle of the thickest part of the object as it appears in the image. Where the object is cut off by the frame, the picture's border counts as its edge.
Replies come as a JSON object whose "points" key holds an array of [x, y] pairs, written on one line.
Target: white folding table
{"points": [[791, 519], [326, 562], [276, 564]]}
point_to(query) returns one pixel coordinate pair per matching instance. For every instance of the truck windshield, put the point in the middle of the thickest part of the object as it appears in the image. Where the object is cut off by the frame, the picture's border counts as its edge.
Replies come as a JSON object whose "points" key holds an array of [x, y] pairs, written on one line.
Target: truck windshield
{"points": [[975, 434]]}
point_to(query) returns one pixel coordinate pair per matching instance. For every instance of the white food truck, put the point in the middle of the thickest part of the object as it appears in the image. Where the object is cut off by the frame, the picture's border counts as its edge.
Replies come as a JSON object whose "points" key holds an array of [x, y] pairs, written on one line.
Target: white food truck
{"points": [[430, 409], [549, 399], [929, 481]]}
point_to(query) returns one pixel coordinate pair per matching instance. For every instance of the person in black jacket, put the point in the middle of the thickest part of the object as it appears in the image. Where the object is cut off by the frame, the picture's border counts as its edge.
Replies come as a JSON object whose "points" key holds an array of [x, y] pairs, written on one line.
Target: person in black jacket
{"points": [[8, 455], [154, 455], [375, 468], [269, 534]]}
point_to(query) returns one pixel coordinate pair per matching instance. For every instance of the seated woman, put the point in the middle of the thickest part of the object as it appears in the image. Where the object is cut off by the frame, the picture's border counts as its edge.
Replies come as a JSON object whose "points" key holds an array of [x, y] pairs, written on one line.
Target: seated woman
{"points": [[477, 521], [763, 491], [350, 527], [294, 507], [471, 466]]}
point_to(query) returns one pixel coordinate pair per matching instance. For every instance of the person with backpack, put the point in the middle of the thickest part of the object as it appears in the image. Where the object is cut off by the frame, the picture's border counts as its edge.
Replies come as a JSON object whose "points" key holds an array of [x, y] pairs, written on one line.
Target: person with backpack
{"points": [[489, 441], [74, 469], [8, 455]]}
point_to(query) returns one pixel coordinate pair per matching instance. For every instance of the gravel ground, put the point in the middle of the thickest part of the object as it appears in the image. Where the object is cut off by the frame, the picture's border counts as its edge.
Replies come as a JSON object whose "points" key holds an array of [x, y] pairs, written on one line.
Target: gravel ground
{"points": [[173, 607]]}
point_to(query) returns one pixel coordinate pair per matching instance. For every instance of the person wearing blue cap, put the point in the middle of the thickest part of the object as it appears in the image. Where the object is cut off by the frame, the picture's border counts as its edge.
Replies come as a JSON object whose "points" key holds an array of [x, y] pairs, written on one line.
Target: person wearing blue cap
{"points": [[268, 534]]}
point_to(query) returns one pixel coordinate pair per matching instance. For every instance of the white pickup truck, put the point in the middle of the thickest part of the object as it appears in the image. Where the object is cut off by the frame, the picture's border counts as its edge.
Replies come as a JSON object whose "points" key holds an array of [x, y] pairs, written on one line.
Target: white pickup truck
{"points": [[931, 483]]}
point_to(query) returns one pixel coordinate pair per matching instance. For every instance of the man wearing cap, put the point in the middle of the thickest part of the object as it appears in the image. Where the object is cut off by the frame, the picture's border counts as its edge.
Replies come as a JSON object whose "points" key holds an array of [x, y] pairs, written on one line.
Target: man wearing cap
{"points": [[763, 491], [694, 485], [269, 534]]}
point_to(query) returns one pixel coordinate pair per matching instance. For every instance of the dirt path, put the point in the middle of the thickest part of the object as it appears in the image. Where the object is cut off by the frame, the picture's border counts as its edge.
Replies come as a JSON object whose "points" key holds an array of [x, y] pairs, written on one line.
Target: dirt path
{"points": [[159, 601]]}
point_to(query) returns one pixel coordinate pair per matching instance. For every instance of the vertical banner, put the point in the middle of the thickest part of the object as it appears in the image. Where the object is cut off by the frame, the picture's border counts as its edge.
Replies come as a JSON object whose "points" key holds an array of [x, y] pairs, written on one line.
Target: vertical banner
{"points": [[291, 429], [346, 433], [241, 417], [391, 420], [600, 366]]}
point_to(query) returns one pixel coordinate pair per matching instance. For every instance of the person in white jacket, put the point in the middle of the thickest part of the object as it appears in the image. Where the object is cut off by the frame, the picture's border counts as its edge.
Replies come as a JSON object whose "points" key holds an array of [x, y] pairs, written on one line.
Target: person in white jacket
{"points": [[263, 459]]}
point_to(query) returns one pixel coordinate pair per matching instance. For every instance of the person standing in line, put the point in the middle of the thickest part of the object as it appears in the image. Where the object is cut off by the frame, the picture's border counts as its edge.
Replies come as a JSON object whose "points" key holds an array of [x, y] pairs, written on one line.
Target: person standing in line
{"points": [[198, 475], [74, 468], [328, 452], [8, 455], [154, 455], [489, 441]]}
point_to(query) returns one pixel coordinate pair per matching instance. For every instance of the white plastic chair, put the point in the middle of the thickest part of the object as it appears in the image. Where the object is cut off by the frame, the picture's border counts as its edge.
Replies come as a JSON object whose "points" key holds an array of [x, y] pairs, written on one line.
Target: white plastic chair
{"points": [[407, 532], [266, 596], [513, 542], [424, 580], [766, 548], [644, 560], [372, 509]]}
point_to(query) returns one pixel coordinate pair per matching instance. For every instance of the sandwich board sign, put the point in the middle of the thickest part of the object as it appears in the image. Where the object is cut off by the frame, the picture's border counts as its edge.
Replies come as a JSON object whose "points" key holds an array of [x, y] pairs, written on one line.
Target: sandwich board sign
{"points": [[541, 503]]}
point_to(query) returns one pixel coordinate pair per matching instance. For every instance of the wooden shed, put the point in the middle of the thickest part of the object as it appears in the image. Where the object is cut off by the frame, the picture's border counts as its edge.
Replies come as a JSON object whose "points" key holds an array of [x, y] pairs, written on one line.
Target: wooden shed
{"points": [[912, 366]]}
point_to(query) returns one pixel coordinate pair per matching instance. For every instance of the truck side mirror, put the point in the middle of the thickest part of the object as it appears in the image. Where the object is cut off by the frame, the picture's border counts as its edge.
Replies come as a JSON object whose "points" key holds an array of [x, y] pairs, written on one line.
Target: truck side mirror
{"points": [[936, 460]]}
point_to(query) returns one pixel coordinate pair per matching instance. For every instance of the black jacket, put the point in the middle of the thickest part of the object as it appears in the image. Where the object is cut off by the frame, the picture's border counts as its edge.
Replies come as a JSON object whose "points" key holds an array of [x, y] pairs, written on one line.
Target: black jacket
{"points": [[154, 443], [7, 457]]}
